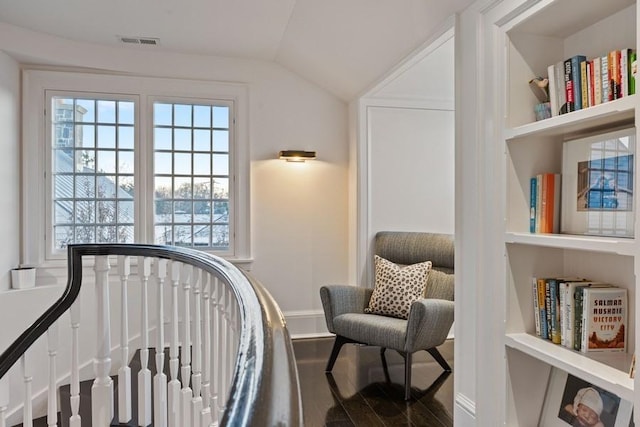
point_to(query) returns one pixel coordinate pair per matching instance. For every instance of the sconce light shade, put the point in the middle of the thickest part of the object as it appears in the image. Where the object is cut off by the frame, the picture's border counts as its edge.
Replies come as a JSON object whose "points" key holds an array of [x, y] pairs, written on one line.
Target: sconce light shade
{"points": [[297, 155]]}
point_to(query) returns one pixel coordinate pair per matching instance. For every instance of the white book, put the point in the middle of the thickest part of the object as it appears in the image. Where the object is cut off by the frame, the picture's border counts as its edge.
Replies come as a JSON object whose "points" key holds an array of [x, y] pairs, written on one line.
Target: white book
{"points": [[553, 91]]}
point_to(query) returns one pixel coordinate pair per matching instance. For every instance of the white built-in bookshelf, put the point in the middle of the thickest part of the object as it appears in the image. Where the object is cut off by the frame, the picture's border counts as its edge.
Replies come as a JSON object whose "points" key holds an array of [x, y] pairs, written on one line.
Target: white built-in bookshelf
{"points": [[537, 34]]}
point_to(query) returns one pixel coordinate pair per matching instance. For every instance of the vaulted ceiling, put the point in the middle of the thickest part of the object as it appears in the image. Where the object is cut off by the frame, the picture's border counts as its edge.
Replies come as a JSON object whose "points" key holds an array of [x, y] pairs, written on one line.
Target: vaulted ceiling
{"points": [[341, 45]]}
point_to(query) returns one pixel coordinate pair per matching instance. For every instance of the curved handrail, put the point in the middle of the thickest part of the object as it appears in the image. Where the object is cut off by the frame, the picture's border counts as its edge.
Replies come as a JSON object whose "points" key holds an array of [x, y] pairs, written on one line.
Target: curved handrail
{"points": [[260, 367]]}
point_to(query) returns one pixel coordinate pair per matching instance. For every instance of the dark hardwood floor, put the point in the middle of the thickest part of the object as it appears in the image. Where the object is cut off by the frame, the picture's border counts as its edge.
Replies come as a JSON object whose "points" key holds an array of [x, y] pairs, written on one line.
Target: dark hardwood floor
{"points": [[357, 393]]}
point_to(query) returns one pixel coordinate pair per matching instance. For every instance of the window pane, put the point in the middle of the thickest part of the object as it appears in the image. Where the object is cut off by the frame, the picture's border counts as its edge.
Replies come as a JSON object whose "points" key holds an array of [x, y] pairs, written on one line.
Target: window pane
{"points": [[126, 137], [221, 164], [125, 162], [62, 236], [107, 136], [162, 114], [62, 161], [182, 188], [182, 139], [182, 115], [220, 212], [201, 212], [125, 212], [85, 110], [63, 135], [202, 188], [162, 139], [163, 188], [62, 110], [221, 140], [163, 211], [221, 188], [106, 161], [163, 163], [125, 234], [106, 234], [182, 235], [85, 235], [202, 140], [125, 187], [202, 116], [106, 212], [85, 212], [202, 164], [63, 186], [63, 212], [85, 136], [220, 236], [106, 187], [85, 187], [202, 235], [221, 117], [85, 160], [125, 112], [163, 235], [182, 163], [106, 111]]}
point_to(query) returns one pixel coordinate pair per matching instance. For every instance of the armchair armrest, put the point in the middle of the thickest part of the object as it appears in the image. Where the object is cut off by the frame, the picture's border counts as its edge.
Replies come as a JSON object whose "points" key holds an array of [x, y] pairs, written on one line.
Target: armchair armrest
{"points": [[429, 323], [341, 299]]}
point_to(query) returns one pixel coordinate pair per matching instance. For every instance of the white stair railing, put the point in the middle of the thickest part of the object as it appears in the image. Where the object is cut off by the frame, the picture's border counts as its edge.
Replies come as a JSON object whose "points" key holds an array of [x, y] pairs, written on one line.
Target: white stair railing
{"points": [[216, 327]]}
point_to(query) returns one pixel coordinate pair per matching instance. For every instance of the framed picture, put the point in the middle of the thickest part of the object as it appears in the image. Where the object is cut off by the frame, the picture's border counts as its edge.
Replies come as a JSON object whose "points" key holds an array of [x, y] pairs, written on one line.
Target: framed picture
{"points": [[572, 401], [597, 184]]}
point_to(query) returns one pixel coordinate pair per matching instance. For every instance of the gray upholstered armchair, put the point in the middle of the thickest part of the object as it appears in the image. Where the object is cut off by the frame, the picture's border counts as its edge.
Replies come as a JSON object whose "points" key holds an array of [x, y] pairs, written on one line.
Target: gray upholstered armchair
{"points": [[430, 318]]}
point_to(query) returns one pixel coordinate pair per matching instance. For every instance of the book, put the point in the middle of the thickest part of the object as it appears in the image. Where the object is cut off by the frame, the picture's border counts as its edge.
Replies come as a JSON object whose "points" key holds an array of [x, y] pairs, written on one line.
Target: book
{"points": [[544, 328], [633, 69], [568, 290], [553, 91], [604, 320], [573, 82], [532, 204], [590, 93], [554, 310], [536, 311], [614, 75], [550, 218], [584, 84], [561, 93], [538, 202], [624, 72], [604, 73], [597, 81], [578, 309]]}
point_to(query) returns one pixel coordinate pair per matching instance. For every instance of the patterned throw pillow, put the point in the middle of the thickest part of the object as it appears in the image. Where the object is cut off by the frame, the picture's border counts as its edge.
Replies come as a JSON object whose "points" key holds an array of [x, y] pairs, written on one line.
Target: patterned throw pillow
{"points": [[396, 287]]}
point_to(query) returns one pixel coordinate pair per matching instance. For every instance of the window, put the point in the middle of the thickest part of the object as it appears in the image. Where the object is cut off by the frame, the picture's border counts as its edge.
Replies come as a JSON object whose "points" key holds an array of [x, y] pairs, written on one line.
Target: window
{"points": [[191, 178], [165, 165]]}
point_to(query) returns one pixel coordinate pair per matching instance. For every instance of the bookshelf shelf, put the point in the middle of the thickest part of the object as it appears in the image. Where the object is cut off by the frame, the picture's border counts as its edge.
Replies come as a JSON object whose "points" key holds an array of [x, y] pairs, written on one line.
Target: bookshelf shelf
{"points": [[611, 245], [618, 113], [609, 371]]}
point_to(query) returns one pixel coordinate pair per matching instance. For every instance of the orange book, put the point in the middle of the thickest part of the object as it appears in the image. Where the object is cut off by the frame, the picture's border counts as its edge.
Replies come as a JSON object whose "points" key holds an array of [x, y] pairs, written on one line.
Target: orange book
{"points": [[550, 203]]}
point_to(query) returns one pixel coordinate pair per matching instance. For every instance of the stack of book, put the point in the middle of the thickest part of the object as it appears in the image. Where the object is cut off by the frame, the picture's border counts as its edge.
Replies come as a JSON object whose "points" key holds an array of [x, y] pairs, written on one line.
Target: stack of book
{"points": [[581, 315], [579, 82], [544, 212]]}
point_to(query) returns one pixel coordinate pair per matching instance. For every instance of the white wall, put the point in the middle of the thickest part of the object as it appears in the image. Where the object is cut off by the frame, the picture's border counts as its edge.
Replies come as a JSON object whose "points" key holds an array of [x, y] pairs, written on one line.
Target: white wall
{"points": [[9, 167]]}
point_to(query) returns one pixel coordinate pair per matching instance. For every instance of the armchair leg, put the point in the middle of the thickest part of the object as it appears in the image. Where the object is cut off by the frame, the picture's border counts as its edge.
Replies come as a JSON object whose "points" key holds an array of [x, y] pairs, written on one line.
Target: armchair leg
{"points": [[438, 357], [407, 376], [337, 345]]}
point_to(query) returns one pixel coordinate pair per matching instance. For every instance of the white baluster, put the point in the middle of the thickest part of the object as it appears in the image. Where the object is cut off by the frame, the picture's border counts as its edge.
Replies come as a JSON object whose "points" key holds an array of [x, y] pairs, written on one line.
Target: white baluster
{"points": [[221, 350], [144, 375], [196, 369], [160, 379], [185, 355], [4, 400], [27, 375], [75, 420], [102, 388], [227, 346], [215, 350], [124, 373], [52, 399], [205, 418], [173, 388]]}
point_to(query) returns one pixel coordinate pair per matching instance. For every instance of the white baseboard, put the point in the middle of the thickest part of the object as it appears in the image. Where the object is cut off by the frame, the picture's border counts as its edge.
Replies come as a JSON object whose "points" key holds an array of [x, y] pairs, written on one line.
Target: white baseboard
{"points": [[464, 411], [306, 324]]}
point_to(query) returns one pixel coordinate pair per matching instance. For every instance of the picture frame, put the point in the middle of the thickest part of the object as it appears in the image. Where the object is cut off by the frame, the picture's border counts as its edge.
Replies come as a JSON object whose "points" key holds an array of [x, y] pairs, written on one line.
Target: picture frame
{"points": [[598, 184], [565, 392]]}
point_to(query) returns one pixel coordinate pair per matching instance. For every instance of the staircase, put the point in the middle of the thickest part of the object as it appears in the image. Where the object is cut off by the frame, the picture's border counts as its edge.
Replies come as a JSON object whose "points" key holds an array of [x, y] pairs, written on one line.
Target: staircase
{"points": [[239, 347]]}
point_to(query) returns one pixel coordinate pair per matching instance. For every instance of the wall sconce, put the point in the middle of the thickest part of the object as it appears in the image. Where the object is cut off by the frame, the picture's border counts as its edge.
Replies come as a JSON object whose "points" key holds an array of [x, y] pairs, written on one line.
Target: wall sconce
{"points": [[297, 155]]}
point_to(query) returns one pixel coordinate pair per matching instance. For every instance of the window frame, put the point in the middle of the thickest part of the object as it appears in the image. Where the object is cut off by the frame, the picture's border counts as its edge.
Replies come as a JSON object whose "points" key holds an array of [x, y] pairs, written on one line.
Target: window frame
{"points": [[36, 202]]}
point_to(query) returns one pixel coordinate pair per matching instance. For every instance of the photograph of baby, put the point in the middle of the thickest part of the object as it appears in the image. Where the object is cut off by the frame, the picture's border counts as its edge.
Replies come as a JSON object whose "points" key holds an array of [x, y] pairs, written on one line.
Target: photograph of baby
{"points": [[585, 405]]}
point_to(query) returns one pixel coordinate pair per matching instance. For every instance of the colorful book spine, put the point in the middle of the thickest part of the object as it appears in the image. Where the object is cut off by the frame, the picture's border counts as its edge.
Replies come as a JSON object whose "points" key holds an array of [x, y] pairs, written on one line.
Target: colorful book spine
{"points": [[584, 81], [560, 87], [536, 311], [542, 308], [538, 202], [604, 71], [614, 74], [597, 81], [554, 305], [532, 204], [633, 67], [624, 72]]}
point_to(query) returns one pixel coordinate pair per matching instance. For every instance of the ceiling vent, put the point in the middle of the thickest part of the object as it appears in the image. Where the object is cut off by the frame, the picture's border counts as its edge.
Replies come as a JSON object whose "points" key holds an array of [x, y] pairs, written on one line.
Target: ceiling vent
{"points": [[147, 41]]}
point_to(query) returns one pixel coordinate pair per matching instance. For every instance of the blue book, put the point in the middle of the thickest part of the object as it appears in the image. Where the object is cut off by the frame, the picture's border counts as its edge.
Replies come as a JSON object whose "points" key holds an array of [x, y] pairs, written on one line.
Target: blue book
{"points": [[532, 204], [573, 82]]}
